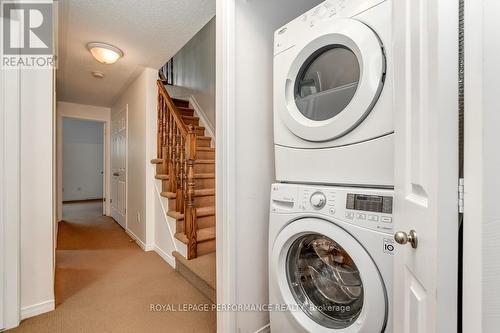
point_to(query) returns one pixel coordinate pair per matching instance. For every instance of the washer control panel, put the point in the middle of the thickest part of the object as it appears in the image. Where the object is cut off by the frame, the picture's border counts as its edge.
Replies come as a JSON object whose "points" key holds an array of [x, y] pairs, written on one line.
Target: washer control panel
{"points": [[367, 208]]}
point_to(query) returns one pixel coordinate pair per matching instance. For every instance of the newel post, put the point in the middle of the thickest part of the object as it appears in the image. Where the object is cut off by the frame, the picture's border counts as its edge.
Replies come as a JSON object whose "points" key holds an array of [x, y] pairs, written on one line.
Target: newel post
{"points": [[190, 209]]}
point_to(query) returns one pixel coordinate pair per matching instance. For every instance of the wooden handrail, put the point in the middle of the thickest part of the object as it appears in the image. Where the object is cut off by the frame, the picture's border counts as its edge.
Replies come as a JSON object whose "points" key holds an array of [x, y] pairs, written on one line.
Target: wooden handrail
{"points": [[177, 144], [168, 100]]}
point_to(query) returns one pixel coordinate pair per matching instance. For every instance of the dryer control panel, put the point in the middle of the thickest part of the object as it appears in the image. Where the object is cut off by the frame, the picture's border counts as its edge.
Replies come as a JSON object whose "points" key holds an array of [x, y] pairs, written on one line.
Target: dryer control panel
{"points": [[367, 208], [288, 35]]}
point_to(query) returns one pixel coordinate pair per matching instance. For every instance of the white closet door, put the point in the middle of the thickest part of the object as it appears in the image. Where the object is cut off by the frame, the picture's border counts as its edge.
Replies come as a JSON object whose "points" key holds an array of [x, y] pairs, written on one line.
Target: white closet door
{"points": [[426, 177], [119, 167]]}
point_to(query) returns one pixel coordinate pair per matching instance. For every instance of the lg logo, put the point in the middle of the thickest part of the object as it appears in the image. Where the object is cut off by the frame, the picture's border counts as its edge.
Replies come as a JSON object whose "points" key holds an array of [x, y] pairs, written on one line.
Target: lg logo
{"points": [[389, 246], [27, 28]]}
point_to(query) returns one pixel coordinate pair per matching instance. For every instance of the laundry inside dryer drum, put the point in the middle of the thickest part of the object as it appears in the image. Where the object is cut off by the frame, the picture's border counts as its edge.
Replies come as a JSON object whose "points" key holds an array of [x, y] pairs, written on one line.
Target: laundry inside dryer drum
{"points": [[324, 281], [327, 82]]}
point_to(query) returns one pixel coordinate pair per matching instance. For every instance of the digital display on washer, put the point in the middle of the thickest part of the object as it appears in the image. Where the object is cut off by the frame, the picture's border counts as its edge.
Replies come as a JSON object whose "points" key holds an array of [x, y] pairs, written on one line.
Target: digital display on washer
{"points": [[369, 203]]}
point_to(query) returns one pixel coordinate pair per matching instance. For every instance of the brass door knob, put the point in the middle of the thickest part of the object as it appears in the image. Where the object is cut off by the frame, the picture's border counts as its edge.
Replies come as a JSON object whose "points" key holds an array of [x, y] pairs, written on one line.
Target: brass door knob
{"points": [[402, 238]]}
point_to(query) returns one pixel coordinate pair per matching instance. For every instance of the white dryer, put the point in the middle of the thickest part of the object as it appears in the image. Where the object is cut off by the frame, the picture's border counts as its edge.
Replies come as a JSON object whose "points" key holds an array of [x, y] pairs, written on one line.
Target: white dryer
{"points": [[333, 109], [330, 259]]}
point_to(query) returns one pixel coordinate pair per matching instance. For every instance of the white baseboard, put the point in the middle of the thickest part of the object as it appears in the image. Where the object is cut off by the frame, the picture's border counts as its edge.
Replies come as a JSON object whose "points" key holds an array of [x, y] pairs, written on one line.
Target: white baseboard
{"points": [[145, 247], [165, 256], [265, 329], [37, 309]]}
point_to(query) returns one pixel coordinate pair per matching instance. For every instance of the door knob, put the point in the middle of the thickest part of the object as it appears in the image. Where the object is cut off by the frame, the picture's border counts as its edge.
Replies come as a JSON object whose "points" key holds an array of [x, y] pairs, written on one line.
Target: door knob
{"points": [[402, 238]]}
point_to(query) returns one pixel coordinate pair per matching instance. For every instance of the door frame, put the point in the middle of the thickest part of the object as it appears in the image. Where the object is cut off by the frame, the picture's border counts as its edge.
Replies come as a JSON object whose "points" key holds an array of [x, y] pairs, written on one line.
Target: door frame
{"points": [[59, 150], [10, 205], [481, 163], [226, 162]]}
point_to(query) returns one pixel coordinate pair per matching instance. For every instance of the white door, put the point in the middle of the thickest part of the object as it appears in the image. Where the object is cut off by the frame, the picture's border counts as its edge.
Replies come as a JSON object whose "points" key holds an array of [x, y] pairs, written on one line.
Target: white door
{"points": [[118, 198], [425, 55]]}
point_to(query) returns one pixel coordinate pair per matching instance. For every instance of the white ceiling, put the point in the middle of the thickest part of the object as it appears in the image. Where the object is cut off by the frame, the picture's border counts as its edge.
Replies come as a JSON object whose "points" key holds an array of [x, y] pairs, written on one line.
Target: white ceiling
{"points": [[148, 31]]}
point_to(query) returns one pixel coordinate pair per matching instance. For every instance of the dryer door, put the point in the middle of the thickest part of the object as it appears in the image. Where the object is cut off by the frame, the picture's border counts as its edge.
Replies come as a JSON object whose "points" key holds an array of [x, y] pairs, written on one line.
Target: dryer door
{"points": [[327, 279], [334, 81]]}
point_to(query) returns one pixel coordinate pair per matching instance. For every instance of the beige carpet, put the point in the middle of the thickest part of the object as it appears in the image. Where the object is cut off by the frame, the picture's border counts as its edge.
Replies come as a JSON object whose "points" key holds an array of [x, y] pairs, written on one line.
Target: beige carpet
{"points": [[106, 283]]}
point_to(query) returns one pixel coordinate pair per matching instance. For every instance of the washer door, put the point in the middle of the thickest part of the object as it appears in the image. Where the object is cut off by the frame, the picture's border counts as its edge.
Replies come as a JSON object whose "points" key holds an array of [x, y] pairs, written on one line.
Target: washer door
{"points": [[328, 280], [334, 81]]}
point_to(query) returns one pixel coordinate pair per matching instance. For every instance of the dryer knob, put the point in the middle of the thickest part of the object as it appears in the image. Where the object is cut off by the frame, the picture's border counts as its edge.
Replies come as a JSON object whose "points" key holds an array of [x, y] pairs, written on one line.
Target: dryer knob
{"points": [[318, 200]]}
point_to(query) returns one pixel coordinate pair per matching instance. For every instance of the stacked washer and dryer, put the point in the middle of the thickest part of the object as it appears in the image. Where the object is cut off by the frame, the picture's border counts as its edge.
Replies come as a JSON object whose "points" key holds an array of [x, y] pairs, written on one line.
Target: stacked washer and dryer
{"points": [[330, 234]]}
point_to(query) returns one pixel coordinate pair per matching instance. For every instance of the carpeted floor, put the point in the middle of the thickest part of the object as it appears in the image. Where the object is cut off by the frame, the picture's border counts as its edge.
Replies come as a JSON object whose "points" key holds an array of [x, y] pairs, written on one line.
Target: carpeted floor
{"points": [[106, 283]]}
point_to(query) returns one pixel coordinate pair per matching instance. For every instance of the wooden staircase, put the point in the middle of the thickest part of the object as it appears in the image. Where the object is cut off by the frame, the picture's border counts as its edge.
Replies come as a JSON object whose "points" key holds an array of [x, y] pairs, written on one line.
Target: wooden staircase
{"points": [[185, 164]]}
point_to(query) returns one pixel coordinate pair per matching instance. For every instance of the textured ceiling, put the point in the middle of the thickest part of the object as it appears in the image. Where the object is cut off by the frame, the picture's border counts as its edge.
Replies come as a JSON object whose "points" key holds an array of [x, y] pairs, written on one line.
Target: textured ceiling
{"points": [[148, 31]]}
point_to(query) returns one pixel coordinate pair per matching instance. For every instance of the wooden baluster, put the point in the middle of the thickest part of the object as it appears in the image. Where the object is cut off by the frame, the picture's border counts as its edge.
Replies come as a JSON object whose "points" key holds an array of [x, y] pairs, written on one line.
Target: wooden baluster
{"points": [[190, 225], [171, 124], [165, 124], [171, 164], [178, 188], [159, 126], [166, 116]]}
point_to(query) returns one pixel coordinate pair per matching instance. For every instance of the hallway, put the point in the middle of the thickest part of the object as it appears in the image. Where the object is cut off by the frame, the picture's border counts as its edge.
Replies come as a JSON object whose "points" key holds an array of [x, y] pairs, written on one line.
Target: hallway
{"points": [[106, 283]]}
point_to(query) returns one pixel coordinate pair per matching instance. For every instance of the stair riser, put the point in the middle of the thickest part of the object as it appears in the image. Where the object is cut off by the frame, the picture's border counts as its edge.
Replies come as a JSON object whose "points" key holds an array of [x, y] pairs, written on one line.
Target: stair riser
{"points": [[161, 169], [203, 143], [200, 132], [206, 221], [204, 183], [205, 155], [206, 247], [185, 112], [194, 122], [181, 103], [204, 168], [205, 201], [171, 205], [203, 222]]}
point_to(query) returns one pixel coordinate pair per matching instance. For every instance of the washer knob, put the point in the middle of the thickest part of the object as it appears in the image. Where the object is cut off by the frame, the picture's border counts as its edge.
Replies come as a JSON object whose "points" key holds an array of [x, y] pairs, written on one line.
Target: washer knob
{"points": [[318, 200]]}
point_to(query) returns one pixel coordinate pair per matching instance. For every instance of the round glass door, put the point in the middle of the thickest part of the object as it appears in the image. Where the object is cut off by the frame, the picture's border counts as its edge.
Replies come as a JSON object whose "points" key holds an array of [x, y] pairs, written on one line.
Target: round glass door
{"points": [[327, 82], [330, 82], [324, 281]]}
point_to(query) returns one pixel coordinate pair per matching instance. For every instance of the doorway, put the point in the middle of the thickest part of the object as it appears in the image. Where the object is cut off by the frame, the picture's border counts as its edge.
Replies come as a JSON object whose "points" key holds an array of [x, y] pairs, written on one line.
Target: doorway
{"points": [[83, 154]]}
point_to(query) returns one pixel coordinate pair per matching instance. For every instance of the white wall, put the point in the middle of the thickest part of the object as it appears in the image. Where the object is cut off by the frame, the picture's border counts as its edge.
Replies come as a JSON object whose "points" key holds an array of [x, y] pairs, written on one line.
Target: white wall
{"points": [[37, 133], [83, 112], [83, 159], [194, 71], [252, 146], [140, 97]]}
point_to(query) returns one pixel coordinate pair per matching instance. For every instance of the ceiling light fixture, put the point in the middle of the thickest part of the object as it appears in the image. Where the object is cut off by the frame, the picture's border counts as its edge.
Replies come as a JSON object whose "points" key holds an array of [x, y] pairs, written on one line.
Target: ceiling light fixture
{"points": [[105, 53], [98, 74]]}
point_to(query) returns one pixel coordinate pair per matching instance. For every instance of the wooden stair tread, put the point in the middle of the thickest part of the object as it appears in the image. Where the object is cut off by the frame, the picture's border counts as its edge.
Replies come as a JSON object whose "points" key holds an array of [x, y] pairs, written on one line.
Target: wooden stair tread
{"points": [[190, 117], [197, 193], [157, 161], [204, 161], [205, 148], [200, 212], [203, 235], [203, 138], [204, 176], [204, 266], [162, 176]]}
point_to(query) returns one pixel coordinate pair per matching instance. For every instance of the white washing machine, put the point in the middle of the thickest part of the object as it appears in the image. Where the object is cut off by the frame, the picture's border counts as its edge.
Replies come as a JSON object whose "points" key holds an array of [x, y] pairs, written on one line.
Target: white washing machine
{"points": [[333, 109], [330, 259]]}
